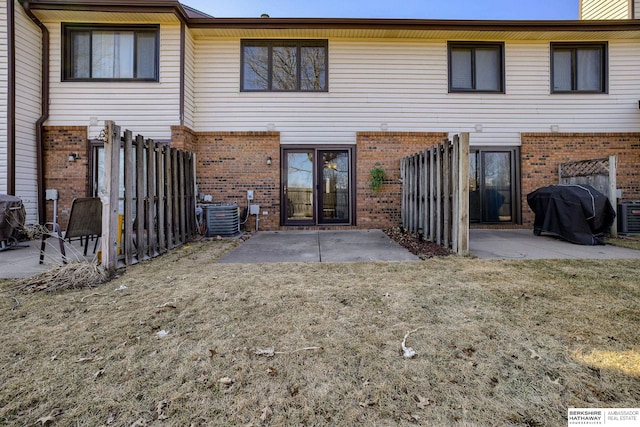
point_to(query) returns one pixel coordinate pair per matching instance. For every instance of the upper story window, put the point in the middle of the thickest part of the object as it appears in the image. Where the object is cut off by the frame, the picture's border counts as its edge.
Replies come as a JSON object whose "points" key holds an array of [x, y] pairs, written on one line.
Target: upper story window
{"points": [[476, 67], [93, 52], [578, 67], [284, 65]]}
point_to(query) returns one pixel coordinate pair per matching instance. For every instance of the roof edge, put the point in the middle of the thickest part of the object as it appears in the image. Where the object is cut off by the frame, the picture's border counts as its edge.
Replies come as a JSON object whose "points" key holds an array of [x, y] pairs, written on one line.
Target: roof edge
{"points": [[184, 13], [196, 19], [416, 24]]}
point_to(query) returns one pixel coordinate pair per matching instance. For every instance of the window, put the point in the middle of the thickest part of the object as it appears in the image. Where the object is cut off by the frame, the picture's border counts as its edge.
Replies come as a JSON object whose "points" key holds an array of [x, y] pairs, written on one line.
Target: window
{"points": [[284, 65], [476, 67], [578, 68], [110, 53]]}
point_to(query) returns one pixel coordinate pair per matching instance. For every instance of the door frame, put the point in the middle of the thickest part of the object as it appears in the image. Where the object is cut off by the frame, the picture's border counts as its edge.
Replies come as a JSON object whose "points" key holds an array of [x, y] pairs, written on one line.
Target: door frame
{"points": [[515, 176], [317, 149]]}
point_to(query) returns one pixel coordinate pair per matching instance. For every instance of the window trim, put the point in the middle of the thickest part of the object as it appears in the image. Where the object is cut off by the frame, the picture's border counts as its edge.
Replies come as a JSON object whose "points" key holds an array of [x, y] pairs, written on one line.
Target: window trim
{"points": [[298, 43], [67, 67], [574, 46], [474, 45]]}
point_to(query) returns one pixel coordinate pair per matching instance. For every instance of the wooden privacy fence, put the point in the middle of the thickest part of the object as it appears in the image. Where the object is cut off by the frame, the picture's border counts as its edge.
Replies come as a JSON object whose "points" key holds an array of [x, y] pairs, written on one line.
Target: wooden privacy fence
{"points": [[157, 210], [435, 193], [598, 173]]}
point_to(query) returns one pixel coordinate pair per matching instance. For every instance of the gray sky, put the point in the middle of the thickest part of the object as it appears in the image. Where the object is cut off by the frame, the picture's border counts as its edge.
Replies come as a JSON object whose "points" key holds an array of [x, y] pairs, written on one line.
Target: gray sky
{"points": [[420, 9]]}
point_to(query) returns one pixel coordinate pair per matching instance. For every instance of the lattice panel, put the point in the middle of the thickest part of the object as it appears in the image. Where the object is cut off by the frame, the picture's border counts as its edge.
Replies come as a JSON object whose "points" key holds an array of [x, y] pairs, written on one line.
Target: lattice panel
{"points": [[585, 168]]}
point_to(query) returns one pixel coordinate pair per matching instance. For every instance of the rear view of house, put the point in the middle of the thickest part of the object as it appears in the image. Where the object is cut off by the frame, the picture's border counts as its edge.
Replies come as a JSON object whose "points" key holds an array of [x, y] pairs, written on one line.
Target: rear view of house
{"points": [[299, 111]]}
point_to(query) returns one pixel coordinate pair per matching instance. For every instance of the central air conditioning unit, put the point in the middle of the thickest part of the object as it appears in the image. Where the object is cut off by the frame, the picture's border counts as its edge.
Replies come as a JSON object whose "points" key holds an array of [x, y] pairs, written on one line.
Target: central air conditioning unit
{"points": [[222, 220], [629, 218]]}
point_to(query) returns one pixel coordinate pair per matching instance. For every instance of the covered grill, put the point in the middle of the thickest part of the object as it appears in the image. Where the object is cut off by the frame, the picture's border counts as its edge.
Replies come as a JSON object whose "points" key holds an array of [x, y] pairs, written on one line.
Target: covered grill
{"points": [[578, 213], [12, 217]]}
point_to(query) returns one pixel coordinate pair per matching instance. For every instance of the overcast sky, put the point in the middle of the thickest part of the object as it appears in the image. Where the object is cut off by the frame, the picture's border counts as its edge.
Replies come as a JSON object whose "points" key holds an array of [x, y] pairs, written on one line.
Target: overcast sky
{"points": [[419, 9]]}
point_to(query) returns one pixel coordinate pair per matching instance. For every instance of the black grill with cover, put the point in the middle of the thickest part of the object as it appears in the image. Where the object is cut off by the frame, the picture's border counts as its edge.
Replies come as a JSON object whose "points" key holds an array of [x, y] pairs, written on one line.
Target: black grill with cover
{"points": [[577, 213], [12, 217]]}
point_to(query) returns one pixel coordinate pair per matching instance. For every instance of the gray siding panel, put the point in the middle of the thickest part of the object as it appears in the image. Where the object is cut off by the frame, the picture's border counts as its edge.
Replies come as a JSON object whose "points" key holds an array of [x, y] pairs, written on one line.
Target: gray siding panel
{"points": [[28, 110], [403, 86]]}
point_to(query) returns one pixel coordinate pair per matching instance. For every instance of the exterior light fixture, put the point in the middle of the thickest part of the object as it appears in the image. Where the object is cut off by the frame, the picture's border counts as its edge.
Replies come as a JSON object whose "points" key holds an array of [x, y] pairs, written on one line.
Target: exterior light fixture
{"points": [[73, 157], [269, 161]]}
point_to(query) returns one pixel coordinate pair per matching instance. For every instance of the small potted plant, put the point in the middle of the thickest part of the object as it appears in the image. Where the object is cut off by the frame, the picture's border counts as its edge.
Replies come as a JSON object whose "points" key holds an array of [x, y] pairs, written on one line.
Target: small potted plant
{"points": [[377, 178]]}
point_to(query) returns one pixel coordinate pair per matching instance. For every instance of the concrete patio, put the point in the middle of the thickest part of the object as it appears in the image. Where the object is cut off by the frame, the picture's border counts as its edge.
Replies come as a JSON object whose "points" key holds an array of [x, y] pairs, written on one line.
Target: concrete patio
{"points": [[336, 246]]}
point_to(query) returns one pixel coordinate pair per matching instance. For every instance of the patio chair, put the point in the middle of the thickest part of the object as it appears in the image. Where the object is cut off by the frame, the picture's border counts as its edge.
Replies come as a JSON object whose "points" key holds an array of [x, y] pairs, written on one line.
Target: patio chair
{"points": [[85, 221]]}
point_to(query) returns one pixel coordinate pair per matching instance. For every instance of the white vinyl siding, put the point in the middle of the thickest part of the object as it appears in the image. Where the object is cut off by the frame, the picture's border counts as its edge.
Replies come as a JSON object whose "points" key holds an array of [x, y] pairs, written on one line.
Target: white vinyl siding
{"points": [[189, 83], [402, 86], [4, 65], [636, 9], [28, 110], [605, 9], [147, 108]]}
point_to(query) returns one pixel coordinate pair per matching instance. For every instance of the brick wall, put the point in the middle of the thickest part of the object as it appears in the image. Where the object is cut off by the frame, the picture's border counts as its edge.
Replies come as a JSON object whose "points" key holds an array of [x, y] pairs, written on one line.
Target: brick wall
{"points": [[541, 153], [183, 138], [230, 163], [385, 149], [69, 178]]}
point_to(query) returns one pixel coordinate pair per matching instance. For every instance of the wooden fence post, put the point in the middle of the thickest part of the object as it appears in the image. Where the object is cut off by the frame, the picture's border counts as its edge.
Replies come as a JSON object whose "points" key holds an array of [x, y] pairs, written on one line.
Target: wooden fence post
{"points": [[110, 197], [170, 192], [463, 195], [192, 192], [176, 196], [426, 232], [151, 198], [446, 190], [421, 193], [455, 193], [403, 197], [162, 243], [129, 168], [183, 211], [432, 194], [613, 199], [414, 184], [439, 194]]}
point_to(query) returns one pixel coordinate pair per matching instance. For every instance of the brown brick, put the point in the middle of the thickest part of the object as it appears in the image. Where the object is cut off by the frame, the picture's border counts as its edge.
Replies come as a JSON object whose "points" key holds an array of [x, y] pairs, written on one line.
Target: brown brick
{"points": [[542, 153], [382, 209], [230, 163], [71, 179]]}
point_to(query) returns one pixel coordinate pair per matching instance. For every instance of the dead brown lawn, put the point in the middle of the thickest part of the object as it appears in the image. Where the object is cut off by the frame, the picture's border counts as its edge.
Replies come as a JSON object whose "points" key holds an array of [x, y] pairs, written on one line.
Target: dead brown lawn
{"points": [[497, 342]]}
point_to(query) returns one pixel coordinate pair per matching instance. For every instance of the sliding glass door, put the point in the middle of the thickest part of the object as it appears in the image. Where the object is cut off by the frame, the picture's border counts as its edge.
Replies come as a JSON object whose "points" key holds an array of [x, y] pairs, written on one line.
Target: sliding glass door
{"points": [[317, 186], [493, 185]]}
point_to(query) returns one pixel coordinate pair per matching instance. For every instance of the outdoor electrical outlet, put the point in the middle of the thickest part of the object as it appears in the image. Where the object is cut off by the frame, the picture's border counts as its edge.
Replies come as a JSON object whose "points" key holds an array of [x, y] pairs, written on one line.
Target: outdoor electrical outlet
{"points": [[265, 212], [249, 194]]}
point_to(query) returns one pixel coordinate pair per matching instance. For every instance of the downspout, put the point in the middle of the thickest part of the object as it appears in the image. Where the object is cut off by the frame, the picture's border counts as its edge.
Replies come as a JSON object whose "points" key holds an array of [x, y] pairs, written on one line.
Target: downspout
{"points": [[44, 108], [11, 98], [182, 69]]}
